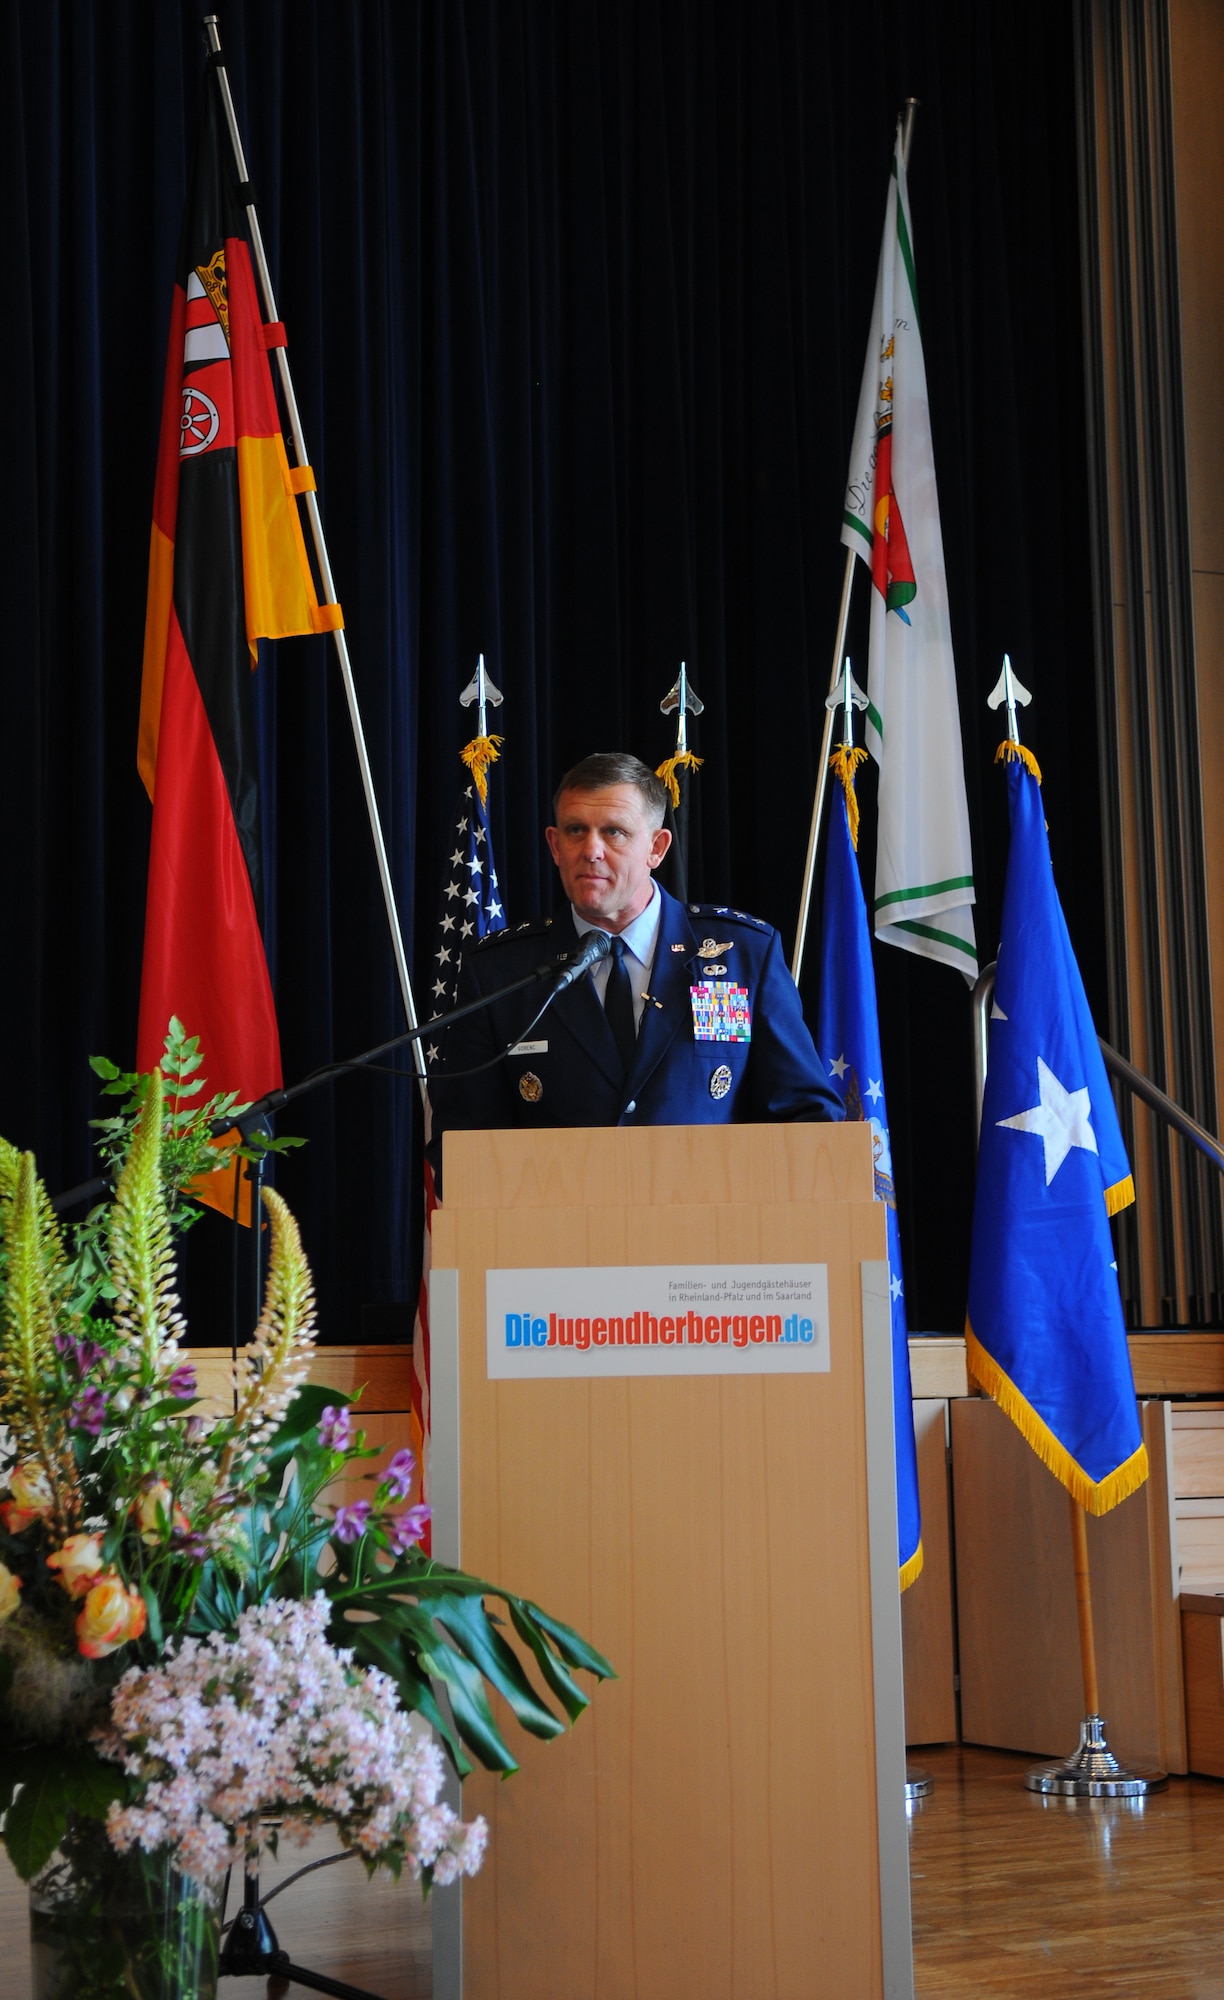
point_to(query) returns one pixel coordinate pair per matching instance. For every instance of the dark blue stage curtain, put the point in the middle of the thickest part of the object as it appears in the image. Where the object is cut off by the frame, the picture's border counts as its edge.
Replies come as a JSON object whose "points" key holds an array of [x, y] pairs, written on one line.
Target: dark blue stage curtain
{"points": [[577, 297]]}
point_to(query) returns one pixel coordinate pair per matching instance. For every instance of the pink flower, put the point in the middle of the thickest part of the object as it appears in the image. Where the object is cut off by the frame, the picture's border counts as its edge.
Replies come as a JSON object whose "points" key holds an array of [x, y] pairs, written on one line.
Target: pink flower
{"points": [[398, 1476], [78, 1563], [88, 1412], [404, 1530], [350, 1523], [335, 1429], [111, 1616]]}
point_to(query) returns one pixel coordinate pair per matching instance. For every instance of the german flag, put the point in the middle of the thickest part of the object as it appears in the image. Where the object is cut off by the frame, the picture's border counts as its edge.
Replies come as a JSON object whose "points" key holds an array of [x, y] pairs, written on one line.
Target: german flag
{"points": [[227, 567]]}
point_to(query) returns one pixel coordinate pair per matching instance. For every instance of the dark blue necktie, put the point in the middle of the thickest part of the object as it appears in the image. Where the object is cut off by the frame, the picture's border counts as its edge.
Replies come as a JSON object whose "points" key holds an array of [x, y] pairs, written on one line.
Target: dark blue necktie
{"points": [[618, 1006]]}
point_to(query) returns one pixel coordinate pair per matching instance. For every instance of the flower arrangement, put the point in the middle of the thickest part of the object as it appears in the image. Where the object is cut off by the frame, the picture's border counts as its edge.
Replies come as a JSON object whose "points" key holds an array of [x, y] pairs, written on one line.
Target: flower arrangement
{"points": [[191, 1637]]}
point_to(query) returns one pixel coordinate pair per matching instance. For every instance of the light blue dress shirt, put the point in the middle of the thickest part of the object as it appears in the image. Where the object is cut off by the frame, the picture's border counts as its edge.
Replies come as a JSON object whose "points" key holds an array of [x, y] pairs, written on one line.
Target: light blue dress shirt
{"points": [[640, 938]]}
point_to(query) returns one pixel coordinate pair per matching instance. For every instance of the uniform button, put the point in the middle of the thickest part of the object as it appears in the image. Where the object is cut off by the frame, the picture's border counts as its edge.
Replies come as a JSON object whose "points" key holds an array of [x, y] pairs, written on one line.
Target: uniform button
{"points": [[631, 1106]]}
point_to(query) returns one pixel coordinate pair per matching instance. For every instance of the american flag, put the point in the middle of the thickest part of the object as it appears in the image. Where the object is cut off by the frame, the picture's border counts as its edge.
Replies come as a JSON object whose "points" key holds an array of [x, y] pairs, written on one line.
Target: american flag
{"points": [[470, 904], [469, 908]]}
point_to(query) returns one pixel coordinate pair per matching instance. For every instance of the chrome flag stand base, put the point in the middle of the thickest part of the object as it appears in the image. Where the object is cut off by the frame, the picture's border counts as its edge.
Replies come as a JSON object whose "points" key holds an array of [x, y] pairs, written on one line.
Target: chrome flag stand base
{"points": [[1093, 1772], [917, 1783]]}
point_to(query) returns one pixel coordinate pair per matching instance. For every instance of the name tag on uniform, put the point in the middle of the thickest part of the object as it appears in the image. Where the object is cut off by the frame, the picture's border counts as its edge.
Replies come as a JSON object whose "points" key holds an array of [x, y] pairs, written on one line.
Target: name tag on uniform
{"points": [[720, 1012], [528, 1049]]}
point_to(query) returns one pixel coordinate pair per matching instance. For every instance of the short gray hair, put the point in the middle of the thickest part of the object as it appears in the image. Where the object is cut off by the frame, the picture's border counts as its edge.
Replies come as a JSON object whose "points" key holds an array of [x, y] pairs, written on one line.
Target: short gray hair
{"points": [[606, 768]]}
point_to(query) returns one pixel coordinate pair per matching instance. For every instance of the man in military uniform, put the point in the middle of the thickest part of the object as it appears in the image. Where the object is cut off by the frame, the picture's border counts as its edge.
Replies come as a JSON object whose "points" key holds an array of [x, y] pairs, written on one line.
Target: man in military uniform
{"points": [[691, 1019]]}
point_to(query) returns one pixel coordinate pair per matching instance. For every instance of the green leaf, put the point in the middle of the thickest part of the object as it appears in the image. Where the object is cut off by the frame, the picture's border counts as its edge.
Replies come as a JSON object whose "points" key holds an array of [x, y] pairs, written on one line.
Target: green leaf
{"points": [[467, 1622], [553, 1669], [571, 1646], [301, 1418], [153, 1608], [56, 1782], [98, 1785]]}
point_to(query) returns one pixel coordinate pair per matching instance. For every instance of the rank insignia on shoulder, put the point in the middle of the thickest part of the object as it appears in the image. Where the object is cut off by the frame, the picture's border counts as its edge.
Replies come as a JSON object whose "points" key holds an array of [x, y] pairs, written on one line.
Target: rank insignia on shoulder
{"points": [[531, 1090], [720, 1081]]}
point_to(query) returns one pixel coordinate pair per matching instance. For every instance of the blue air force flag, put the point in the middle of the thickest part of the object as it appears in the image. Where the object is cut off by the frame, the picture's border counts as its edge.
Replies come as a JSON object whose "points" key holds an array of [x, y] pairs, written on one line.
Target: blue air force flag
{"points": [[848, 1034], [1046, 1337]]}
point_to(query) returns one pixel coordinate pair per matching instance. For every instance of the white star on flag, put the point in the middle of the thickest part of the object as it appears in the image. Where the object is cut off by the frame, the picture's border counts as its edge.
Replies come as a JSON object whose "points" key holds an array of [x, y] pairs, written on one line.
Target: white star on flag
{"points": [[874, 1090], [479, 909], [895, 1286], [839, 1066], [1060, 1120]]}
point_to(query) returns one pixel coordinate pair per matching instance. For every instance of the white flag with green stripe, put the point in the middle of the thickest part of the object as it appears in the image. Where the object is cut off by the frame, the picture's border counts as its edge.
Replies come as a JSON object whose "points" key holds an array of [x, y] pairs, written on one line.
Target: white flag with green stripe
{"points": [[924, 868]]}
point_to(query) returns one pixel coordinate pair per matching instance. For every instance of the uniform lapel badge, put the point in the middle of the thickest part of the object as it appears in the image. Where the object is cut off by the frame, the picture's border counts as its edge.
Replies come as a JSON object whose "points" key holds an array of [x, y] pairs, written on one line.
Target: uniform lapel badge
{"points": [[531, 1090], [708, 948], [720, 1081], [715, 971], [679, 947]]}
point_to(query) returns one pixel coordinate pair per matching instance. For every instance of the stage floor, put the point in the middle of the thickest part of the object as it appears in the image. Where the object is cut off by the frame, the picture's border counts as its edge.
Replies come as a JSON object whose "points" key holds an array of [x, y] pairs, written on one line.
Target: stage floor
{"points": [[1013, 1896], [1016, 1895]]}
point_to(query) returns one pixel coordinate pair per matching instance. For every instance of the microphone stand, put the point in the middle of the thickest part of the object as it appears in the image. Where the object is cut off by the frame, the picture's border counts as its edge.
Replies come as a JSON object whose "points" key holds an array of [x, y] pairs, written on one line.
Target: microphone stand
{"points": [[253, 1120]]}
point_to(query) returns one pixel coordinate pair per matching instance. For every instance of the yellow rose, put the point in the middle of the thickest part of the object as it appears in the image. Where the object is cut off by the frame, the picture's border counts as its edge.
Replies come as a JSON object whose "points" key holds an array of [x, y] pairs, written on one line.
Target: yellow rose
{"points": [[32, 1498], [156, 1504], [78, 1563], [10, 1592], [111, 1615]]}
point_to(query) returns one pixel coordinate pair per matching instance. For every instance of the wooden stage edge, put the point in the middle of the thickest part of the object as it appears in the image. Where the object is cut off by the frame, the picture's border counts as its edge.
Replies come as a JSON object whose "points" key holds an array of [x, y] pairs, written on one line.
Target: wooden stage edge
{"points": [[1165, 1364]]}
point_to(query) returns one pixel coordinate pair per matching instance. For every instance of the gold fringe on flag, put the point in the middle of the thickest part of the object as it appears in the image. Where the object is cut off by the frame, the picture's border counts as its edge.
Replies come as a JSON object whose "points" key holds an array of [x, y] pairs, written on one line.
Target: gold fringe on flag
{"points": [[1120, 1195], [844, 763], [912, 1570], [669, 767], [1015, 753], [478, 755], [1094, 1496]]}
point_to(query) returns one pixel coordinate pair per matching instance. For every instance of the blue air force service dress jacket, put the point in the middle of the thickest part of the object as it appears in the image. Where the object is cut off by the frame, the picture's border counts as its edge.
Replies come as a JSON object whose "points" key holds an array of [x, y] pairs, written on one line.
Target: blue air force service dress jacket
{"points": [[722, 1040]]}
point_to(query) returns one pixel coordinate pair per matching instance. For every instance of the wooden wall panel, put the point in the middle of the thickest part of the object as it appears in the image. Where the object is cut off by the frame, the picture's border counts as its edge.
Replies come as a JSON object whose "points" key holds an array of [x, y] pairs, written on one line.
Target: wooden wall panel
{"points": [[927, 1621], [1021, 1684]]}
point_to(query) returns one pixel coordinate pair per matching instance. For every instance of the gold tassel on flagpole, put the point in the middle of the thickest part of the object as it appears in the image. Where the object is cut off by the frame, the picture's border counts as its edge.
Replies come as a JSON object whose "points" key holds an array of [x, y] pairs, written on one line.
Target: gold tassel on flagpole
{"points": [[683, 761], [1010, 752], [478, 755], [844, 763]]}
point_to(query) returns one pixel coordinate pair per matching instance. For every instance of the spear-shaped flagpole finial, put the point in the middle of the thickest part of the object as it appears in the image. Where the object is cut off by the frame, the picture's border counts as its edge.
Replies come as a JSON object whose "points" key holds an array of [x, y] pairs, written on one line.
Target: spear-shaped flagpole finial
{"points": [[844, 762], [1010, 690], [482, 750], [683, 698], [481, 690], [848, 696]]}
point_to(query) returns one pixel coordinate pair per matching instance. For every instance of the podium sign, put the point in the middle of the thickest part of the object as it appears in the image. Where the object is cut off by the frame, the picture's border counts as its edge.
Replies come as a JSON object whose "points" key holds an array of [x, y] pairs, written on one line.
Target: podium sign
{"points": [[662, 1408], [657, 1319]]}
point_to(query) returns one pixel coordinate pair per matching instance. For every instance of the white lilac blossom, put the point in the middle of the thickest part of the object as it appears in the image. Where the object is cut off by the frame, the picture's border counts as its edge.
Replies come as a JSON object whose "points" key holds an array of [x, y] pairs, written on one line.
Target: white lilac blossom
{"points": [[278, 1721]]}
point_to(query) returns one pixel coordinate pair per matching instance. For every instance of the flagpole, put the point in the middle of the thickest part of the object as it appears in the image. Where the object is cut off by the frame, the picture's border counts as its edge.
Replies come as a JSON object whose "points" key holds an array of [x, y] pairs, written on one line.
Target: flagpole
{"points": [[328, 591], [909, 112]]}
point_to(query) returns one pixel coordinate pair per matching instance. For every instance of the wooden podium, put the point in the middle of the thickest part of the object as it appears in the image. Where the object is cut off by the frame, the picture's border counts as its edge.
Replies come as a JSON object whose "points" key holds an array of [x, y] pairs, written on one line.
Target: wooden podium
{"points": [[727, 1822]]}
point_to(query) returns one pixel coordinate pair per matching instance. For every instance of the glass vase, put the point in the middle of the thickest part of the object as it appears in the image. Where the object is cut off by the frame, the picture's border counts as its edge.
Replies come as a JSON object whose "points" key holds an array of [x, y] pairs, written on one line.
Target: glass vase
{"points": [[108, 1926]]}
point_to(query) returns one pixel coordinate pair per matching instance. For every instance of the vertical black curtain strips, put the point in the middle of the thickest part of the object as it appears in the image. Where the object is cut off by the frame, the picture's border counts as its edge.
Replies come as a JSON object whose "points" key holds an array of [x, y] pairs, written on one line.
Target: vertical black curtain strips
{"points": [[577, 299]]}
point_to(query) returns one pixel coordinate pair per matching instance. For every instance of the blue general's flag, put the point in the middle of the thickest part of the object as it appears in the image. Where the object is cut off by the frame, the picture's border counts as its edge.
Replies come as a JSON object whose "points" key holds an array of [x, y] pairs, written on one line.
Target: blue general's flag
{"points": [[848, 1035], [1046, 1337]]}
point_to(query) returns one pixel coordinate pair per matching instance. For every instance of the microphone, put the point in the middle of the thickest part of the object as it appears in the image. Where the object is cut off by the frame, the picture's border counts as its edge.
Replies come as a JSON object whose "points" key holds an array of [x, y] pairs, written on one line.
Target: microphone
{"points": [[595, 945]]}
